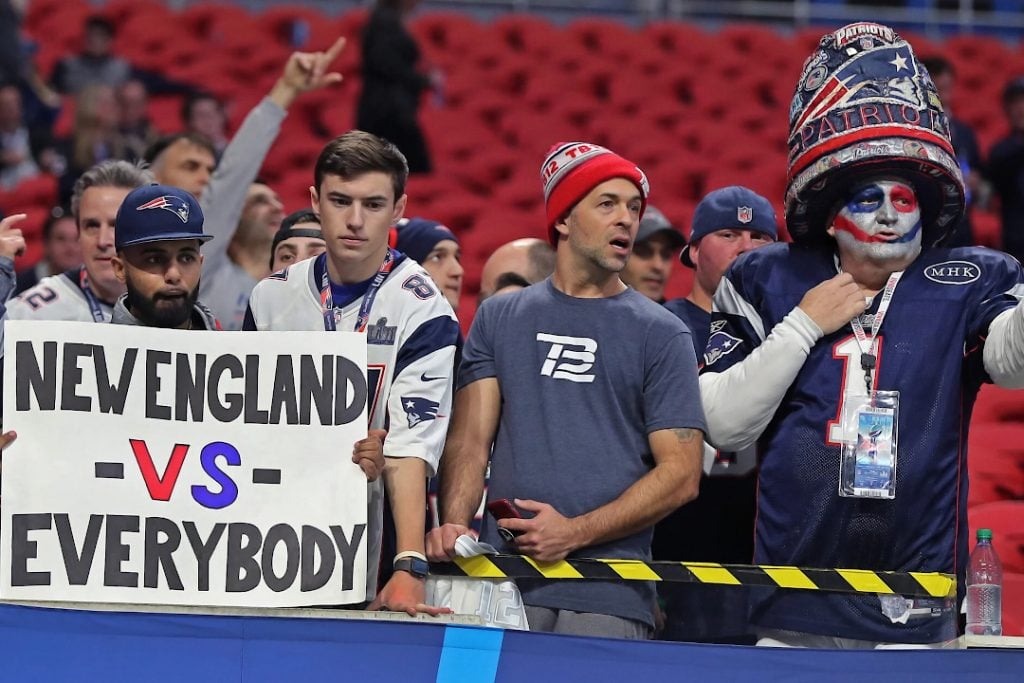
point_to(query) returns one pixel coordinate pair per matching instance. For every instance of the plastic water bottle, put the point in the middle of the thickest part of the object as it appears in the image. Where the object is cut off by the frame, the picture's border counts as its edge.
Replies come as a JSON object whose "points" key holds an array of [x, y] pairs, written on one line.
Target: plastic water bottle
{"points": [[984, 589]]}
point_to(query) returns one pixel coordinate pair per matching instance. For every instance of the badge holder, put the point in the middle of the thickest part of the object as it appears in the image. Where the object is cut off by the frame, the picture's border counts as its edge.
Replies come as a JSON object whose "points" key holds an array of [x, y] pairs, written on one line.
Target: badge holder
{"points": [[867, 461]]}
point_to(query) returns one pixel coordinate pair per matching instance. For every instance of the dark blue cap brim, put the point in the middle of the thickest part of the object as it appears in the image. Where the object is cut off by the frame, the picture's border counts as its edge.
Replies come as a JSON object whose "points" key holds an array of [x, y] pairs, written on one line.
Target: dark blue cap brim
{"points": [[166, 237]]}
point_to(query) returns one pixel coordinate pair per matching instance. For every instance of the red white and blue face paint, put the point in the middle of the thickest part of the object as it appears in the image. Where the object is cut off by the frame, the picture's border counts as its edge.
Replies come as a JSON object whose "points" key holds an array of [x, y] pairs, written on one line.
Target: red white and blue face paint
{"points": [[881, 219]]}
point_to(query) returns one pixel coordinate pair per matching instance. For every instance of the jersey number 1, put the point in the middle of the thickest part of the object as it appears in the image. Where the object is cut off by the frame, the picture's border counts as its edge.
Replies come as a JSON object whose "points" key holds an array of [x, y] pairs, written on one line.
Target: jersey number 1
{"points": [[848, 352]]}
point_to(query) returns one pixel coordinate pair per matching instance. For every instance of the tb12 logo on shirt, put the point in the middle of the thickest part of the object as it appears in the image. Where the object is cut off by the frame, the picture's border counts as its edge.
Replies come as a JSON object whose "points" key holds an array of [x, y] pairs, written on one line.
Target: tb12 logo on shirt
{"points": [[569, 358]]}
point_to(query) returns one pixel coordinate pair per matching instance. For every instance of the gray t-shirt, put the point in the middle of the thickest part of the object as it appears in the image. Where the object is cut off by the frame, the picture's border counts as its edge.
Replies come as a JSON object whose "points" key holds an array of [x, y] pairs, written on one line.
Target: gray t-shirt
{"points": [[583, 382]]}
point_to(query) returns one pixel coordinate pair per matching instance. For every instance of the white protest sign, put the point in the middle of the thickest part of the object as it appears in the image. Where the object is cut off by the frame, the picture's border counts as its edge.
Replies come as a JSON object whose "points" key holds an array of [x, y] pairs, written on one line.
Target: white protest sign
{"points": [[183, 467]]}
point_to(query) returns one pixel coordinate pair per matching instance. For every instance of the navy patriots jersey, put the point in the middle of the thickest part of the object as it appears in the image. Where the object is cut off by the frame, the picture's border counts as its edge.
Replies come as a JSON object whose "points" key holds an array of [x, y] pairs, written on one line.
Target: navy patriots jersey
{"points": [[930, 351]]}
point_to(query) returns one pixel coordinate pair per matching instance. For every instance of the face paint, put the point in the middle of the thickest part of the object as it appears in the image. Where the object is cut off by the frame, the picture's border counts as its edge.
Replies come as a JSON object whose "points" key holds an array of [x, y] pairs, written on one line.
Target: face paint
{"points": [[882, 219]]}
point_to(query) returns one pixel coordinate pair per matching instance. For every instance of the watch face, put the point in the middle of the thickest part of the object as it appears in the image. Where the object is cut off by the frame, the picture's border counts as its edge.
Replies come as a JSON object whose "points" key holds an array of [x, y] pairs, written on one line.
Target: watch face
{"points": [[419, 567]]}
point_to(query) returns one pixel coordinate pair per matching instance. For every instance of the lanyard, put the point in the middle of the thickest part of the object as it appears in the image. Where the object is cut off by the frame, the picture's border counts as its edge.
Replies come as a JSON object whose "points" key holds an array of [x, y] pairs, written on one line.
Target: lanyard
{"points": [[868, 343], [327, 301], [90, 298]]}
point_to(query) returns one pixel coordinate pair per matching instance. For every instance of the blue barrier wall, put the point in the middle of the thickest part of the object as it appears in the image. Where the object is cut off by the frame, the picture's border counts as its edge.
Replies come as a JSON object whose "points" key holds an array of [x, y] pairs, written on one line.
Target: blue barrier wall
{"points": [[38, 644]]}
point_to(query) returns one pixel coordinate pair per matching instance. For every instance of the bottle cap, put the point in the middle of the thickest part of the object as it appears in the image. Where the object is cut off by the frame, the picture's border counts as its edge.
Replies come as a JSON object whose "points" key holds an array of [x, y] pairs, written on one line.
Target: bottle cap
{"points": [[984, 534]]}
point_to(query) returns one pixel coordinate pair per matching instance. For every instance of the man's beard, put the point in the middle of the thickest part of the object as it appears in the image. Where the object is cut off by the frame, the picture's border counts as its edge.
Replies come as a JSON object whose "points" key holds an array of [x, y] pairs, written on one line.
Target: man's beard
{"points": [[175, 312]]}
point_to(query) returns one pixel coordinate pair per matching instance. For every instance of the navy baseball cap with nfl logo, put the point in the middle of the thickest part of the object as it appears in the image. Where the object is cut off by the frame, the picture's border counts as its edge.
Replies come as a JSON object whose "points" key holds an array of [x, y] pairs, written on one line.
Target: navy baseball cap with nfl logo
{"points": [[730, 208], [154, 213]]}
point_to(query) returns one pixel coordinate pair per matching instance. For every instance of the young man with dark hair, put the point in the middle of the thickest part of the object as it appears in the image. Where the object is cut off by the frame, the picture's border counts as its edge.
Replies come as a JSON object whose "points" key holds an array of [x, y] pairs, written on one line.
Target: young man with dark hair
{"points": [[360, 284], [582, 394]]}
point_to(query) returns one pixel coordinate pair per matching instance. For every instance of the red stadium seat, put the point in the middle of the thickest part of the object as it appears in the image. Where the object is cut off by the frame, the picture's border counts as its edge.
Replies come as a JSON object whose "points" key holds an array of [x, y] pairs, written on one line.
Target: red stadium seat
{"points": [[1006, 520], [1013, 604]]}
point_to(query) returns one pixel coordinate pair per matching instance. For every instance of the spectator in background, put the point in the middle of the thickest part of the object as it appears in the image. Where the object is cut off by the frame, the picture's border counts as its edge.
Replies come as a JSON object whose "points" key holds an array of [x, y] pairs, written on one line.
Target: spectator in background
{"points": [[61, 251], [719, 525], [436, 248], [17, 160], [245, 261], [392, 85], [530, 258], [96, 137], [654, 250], [95, 64], [186, 160], [298, 239], [224, 195], [965, 144], [1006, 169], [137, 131], [11, 57], [203, 113]]}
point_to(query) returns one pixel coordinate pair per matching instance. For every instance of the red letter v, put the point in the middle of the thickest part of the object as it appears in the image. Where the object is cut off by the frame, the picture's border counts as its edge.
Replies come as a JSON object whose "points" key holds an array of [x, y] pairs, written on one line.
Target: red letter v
{"points": [[159, 488]]}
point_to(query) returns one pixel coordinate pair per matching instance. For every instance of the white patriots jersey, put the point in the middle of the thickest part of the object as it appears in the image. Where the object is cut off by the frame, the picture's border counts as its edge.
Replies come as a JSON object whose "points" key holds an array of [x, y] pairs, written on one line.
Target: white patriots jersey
{"points": [[411, 338], [57, 297]]}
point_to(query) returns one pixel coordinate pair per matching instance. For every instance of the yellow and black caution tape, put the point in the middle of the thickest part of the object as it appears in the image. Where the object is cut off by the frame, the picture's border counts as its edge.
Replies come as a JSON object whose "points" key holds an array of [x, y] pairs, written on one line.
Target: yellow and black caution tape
{"points": [[909, 584]]}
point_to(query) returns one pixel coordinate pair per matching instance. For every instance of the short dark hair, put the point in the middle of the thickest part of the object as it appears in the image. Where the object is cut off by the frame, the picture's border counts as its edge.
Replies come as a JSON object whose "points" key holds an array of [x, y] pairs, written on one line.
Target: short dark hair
{"points": [[938, 65], [194, 98], [357, 152], [154, 151], [98, 22]]}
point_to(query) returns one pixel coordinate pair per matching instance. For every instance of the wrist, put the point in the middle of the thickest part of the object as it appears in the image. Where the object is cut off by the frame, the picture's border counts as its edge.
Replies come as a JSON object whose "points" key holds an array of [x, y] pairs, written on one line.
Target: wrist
{"points": [[412, 563], [283, 94]]}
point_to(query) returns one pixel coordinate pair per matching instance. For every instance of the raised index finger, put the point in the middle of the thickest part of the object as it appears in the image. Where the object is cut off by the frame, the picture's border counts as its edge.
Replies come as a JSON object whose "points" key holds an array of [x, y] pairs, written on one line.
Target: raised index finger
{"points": [[334, 50]]}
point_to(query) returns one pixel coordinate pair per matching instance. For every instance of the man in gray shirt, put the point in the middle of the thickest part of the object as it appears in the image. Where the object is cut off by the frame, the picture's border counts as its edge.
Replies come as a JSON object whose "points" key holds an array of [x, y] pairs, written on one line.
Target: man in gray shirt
{"points": [[587, 393]]}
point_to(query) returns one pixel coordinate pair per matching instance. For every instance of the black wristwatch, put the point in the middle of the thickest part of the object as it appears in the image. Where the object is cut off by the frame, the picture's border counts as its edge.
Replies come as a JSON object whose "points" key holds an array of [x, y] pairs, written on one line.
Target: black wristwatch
{"points": [[414, 565]]}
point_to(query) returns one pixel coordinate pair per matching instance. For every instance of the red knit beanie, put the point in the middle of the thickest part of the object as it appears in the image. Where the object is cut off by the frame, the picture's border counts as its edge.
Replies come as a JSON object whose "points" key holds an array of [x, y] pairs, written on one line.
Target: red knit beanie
{"points": [[573, 169]]}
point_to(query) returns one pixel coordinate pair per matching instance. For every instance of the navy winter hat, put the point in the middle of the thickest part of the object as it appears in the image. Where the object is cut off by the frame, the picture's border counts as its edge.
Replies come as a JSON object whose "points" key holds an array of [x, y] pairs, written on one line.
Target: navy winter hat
{"points": [[417, 237], [865, 107], [730, 208], [153, 213]]}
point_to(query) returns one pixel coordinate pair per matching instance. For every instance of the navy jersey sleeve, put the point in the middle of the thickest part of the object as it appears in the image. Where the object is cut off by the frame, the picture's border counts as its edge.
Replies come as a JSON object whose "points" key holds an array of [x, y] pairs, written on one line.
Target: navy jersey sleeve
{"points": [[737, 328], [478, 360], [249, 324], [1003, 288]]}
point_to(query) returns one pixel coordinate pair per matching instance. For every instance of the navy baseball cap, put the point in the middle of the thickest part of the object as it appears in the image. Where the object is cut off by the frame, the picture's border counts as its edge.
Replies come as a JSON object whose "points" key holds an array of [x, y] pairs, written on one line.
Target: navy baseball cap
{"points": [[653, 223], [731, 208], [153, 213]]}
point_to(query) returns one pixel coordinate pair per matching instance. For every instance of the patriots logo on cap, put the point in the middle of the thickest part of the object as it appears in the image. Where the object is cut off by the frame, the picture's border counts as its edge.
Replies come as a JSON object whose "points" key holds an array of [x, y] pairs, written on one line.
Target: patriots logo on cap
{"points": [[419, 409], [744, 214], [176, 205]]}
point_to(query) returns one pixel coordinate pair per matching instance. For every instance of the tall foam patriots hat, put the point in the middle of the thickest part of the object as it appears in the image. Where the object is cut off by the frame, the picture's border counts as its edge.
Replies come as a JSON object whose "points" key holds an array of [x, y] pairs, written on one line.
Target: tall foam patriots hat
{"points": [[572, 169], [865, 107]]}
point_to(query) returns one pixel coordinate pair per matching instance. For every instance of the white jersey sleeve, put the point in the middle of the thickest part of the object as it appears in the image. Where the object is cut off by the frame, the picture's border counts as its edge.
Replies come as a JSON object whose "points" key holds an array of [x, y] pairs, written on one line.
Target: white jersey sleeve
{"points": [[56, 297]]}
